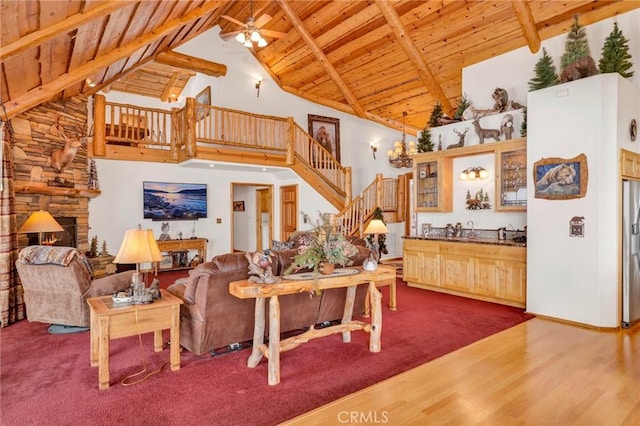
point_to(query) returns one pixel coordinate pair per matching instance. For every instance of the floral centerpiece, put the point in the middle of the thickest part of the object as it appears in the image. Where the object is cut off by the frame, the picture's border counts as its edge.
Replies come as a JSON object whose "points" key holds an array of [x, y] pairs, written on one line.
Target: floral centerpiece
{"points": [[322, 246]]}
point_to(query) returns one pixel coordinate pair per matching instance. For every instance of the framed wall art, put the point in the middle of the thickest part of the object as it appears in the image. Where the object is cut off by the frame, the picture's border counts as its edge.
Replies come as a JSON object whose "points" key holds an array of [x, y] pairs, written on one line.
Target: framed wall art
{"points": [[238, 206], [326, 130], [203, 98], [561, 178]]}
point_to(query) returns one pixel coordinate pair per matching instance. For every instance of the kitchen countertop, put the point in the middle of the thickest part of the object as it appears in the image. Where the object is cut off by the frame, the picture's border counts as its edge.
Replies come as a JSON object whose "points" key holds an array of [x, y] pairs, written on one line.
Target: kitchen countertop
{"points": [[472, 240]]}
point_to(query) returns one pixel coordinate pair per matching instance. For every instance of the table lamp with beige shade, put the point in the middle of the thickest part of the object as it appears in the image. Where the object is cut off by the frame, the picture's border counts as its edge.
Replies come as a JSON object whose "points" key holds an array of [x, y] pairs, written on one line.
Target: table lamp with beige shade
{"points": [[40, 222], [375, 228], [139, 246]]}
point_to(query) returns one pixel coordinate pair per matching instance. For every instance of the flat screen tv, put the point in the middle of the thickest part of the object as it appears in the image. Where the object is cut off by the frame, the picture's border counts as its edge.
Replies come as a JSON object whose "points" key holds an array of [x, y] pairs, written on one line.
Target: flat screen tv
{"points": [[174, 201]]}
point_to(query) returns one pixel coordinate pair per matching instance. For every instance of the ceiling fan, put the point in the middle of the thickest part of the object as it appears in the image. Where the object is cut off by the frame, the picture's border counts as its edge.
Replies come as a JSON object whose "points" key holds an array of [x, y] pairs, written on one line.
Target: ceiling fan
{"points": [[252, 31]]}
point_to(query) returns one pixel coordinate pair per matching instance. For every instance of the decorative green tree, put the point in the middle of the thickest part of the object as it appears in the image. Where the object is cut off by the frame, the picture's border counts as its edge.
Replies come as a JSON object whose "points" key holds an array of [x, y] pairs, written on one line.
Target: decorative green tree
{"points": [[546, 75], [94, 246], [523, 127], [576, 46], [104, 251], [463, 104], [468, 195], [382, 238], [615, 54], [424, 141], [435, 114], [93, 175]]}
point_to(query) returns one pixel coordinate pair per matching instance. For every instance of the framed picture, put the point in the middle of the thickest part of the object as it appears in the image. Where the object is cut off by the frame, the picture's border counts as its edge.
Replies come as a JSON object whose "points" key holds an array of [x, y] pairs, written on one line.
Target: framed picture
{"points": [[561, 178], [203, 98], [238, 206], [166, 262], [326, 130]]}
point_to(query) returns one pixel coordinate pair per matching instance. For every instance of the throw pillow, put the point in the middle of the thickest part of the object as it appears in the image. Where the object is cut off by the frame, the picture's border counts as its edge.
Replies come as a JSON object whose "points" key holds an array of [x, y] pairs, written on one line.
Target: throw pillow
{"points": [[281, 245]]}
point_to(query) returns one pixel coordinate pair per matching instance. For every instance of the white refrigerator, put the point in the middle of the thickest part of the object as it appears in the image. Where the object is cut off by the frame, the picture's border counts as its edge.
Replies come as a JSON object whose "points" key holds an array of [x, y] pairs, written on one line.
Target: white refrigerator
{"points": [[630, 252]]}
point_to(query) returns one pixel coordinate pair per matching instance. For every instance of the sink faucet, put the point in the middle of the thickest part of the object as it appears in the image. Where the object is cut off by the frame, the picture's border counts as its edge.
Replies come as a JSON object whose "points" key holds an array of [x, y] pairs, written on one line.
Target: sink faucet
{"points": [[471, 234]]}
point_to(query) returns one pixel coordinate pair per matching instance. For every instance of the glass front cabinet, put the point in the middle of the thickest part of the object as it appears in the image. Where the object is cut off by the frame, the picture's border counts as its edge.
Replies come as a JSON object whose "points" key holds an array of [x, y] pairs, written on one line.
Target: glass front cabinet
{"points": [[511, 176], [432, 183]]}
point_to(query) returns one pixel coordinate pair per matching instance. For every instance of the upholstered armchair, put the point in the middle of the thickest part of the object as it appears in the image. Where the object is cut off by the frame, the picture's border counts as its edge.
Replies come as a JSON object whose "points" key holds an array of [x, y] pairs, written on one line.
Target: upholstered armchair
{"points": [[58, 280]]}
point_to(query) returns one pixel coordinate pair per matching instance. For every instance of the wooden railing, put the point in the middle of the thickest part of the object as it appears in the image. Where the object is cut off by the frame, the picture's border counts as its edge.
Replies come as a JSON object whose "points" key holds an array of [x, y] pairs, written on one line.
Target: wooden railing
{"points": [[183, 130], [136, 126], [382, 192]]}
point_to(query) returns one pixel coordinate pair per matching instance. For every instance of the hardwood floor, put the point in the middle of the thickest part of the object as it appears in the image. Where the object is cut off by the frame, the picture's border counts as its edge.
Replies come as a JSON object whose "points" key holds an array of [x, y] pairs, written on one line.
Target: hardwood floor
{"points": [[540, 372]]}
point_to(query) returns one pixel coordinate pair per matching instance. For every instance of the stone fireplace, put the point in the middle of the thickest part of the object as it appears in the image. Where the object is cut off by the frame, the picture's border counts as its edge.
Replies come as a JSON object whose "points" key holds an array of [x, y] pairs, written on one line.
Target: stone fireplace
{"points": [[38, 187]]}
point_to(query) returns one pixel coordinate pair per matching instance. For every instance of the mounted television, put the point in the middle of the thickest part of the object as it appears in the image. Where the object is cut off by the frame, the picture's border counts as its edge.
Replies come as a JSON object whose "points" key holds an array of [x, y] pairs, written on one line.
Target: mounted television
{"points": [[174, 201]]}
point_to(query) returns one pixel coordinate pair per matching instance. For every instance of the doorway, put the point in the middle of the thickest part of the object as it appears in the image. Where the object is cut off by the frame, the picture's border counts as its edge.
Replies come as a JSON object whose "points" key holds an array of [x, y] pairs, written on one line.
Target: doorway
{"points": [[251, 216], [288, 211]]}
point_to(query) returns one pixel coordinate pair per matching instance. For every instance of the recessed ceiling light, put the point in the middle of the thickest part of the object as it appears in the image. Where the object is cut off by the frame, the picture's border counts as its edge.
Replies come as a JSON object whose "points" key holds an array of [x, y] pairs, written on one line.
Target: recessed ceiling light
{"points": [[264, 169], [212, 165]]}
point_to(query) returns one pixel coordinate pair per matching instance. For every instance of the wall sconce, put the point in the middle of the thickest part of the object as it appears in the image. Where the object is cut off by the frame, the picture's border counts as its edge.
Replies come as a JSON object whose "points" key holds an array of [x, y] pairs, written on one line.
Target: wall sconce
{"points": [[374, 148], [90, 82], [473, 173], [258, 84]]}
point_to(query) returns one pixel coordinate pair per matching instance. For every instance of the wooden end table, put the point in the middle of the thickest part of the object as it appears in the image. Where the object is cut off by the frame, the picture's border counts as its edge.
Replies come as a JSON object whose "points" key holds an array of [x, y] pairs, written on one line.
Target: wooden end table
{"points": [[112, 321], [249, 290]]}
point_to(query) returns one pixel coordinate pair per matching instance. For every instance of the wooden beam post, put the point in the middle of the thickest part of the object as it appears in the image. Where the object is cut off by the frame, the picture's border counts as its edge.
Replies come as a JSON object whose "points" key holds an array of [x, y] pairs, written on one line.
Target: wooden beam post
{"points": [[291, 137], [348, 192], [47, 91], [528, 25], [190, 127], [175, 133], [99, 126], [379, 189], [192, 63], [413, 53], [324, 61]]}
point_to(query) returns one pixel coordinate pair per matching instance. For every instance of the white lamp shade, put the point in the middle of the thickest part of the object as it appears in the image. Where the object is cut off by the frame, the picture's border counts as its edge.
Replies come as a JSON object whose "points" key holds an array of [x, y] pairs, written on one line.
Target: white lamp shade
{"points": [[138, 246], [40, 221], [376, 226]]}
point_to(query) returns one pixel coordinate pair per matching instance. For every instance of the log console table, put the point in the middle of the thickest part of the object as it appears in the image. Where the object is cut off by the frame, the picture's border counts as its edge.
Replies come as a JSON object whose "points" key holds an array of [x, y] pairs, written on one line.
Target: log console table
{"points": [[249, 290]]}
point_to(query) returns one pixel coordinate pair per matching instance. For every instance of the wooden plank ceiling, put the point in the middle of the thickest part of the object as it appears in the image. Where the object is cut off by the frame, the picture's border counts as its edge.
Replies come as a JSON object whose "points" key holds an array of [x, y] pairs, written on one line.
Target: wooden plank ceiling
{"points": [[373, 59]]}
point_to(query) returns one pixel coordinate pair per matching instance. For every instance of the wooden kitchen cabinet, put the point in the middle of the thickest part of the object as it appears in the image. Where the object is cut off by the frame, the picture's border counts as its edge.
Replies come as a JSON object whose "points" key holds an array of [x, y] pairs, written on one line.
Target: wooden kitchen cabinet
{"points": [[630, 164], [511, 176], [421, 262], [456, 266], [432, 182], [495, 273]]}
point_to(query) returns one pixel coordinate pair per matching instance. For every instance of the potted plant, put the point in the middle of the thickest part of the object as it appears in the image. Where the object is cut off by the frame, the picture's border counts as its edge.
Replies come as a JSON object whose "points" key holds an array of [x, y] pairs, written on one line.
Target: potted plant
{"points": [[323, 247]]}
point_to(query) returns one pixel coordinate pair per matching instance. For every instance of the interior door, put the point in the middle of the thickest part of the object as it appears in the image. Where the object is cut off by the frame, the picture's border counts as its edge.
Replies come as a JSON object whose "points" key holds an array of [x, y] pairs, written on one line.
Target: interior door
{"points": [[264, 214], [288, 211]]}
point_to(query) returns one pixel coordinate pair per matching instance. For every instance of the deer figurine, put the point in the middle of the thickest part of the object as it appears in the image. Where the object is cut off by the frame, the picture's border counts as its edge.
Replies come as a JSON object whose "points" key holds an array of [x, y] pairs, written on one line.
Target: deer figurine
{"points": [[62, 157], [484, 133], [461, 136]]}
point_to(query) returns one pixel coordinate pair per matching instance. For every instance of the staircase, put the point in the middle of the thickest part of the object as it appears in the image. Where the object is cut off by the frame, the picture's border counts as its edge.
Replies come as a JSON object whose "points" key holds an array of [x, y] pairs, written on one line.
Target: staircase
{"points": [[207, 132]]}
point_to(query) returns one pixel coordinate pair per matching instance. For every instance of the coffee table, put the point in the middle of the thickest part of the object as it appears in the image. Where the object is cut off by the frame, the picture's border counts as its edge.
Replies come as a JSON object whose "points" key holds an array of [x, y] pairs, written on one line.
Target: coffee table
{"points": [[112, 321]]}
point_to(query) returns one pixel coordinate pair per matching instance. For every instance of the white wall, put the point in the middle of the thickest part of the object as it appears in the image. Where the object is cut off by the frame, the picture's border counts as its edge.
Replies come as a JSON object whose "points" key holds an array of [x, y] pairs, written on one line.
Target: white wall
{"points": [[568, 277]]}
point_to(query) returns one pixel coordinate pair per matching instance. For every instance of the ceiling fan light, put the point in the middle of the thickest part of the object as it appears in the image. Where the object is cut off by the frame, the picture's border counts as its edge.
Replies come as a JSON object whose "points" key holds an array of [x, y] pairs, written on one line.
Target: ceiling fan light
{"points": [[240, 37], [247, 43], [255, 36], [262, 42]]}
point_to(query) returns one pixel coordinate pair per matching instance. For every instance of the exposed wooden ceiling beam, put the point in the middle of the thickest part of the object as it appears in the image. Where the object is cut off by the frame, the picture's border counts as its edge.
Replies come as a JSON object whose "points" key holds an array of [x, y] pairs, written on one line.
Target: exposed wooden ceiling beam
{"points": [[413, 53], [171, 88], [203, 66], [322, 58], [36, 38], [45, 92], [528, 25]]}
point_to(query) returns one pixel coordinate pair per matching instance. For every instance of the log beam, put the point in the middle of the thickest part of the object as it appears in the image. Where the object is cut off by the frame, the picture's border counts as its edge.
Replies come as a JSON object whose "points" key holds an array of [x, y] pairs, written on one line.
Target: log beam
{"points": [[322, 58], [528, 25], [413, 53], [192, 63], [36, 38], [47, 91]]}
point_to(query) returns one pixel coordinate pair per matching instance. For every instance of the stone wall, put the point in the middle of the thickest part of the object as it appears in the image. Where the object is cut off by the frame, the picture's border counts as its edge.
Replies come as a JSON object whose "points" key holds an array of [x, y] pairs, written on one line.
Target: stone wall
{"points": [[38, 185]]}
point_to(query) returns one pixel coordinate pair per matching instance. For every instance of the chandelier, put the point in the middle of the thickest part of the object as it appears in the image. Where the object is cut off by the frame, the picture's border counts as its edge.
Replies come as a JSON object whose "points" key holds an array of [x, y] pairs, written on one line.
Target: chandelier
{"points": [[399, 157]]}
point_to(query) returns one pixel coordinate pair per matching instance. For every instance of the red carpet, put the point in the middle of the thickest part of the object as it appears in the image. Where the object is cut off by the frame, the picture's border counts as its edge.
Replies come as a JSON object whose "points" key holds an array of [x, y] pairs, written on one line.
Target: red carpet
{"points": [[47, 380]]}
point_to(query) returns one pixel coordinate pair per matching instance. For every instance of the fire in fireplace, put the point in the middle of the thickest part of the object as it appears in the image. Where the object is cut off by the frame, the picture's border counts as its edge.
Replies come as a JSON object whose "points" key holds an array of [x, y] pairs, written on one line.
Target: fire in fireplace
{"points": [[66, 238]]}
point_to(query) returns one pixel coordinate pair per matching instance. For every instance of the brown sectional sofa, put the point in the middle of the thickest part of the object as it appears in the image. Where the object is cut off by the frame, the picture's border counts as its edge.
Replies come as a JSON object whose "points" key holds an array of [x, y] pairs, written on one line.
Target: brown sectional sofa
{"points": [[211, 318]]}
